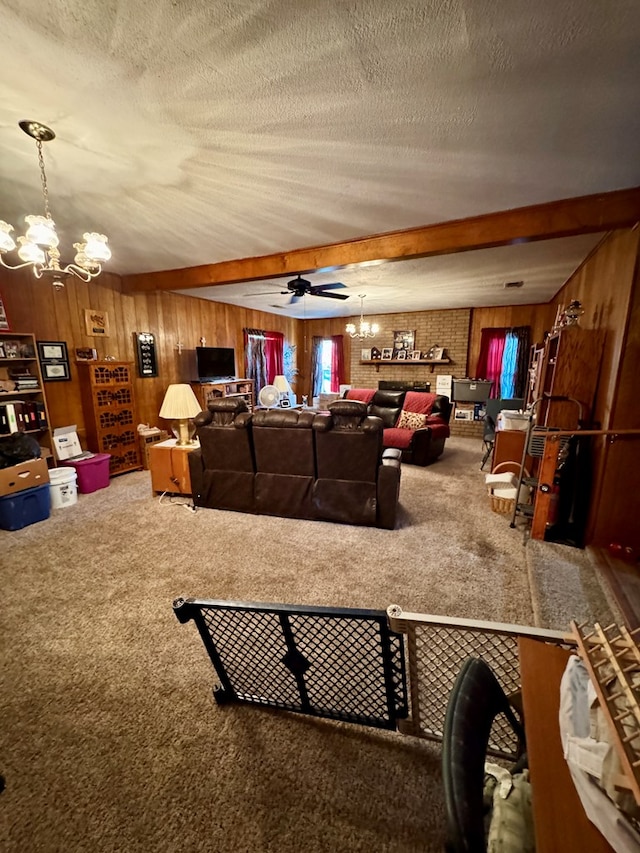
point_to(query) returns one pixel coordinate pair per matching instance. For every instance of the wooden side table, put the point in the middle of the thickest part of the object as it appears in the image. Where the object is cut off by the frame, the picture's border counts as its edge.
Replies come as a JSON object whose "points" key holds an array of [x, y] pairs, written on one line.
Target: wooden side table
{"points": [[169, 466]]}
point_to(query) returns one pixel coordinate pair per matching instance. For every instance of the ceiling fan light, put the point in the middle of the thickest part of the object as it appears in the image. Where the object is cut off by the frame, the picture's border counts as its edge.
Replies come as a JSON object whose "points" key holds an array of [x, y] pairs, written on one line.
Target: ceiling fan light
{"points": [[351, 329], [375, 328], [42, 231], [30, 252], [7, 243], [95, 247]]}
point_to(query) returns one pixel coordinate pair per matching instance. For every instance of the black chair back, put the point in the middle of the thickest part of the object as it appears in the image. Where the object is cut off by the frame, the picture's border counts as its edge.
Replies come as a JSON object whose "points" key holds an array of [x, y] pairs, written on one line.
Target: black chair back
{"points": [[475, 701]]}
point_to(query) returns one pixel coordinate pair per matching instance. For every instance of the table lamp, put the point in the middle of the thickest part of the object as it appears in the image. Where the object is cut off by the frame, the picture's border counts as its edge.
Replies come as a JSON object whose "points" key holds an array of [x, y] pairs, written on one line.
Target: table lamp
{"points": [[282, 384], [180, 404]]}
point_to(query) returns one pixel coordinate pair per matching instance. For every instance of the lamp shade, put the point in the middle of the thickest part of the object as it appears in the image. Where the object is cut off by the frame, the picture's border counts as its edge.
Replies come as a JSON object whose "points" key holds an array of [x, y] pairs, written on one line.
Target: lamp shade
{"points": [[282, 384], [180, 402]]}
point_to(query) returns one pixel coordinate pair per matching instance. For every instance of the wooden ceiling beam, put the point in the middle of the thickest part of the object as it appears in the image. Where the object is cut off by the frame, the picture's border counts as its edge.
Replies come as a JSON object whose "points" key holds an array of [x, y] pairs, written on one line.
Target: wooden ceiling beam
{"points": [[565, 218]]}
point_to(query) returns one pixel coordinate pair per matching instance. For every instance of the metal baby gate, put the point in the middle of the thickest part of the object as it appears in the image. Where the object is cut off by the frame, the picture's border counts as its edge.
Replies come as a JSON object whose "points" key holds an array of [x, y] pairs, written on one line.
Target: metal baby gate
{"points": [[349, 664]]}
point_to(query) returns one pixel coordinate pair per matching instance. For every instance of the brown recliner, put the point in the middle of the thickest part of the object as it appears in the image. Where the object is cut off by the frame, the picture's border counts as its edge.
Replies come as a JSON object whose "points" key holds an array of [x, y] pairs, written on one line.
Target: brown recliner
{"points": [[355, 484], [285, 462], [222, 471]]}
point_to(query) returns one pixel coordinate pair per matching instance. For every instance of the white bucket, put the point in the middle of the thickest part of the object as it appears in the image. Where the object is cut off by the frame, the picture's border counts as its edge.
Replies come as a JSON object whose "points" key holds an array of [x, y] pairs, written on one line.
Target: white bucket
{"points": [[63, 487]]}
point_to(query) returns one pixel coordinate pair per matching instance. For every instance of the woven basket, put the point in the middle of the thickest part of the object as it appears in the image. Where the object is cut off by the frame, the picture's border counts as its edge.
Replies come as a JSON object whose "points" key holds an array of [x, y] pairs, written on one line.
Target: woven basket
{"points": [[502, 505], [505, 506]]}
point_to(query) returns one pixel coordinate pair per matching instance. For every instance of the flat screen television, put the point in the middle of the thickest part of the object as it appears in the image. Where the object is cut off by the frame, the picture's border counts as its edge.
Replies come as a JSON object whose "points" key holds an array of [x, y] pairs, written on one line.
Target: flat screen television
{"points": [[215, 363]]}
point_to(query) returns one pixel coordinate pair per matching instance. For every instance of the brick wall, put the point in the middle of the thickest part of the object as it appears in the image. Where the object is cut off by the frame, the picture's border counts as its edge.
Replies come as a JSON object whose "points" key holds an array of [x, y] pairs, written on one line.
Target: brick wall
{"points": [[448, 329]]}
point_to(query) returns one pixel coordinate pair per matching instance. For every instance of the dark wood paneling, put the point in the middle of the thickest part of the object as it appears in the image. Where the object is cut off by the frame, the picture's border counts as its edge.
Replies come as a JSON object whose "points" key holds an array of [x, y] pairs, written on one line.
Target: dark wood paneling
{"points": [[34, 306]]}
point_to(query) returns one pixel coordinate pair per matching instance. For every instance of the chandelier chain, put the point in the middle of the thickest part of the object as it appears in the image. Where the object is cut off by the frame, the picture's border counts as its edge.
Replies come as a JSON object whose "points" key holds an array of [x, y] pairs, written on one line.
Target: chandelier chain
{"points": [[43, 179]]}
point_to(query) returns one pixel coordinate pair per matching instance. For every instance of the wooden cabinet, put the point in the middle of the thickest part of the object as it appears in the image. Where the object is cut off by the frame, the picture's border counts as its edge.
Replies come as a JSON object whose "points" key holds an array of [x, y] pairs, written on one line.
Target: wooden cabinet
{"points": [[206, 391], [169, 466], [110, 413], [569, 367], [23, 403]]}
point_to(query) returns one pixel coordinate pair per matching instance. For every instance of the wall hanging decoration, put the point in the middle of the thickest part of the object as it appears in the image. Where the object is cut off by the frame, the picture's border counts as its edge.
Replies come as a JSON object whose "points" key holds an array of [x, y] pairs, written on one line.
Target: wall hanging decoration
{"points": [[54, 360], [146, 350], [96, 323], [4, 320], [403, 342]]}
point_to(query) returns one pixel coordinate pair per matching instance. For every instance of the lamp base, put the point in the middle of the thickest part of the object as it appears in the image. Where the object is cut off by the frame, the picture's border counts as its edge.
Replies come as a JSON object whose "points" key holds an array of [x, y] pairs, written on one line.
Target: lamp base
{"points": [[184, 431]]}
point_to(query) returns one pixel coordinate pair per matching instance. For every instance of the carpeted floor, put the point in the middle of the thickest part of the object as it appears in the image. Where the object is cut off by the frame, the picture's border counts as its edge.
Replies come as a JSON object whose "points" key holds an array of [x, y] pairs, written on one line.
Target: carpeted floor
{"points": [[110, 740]]}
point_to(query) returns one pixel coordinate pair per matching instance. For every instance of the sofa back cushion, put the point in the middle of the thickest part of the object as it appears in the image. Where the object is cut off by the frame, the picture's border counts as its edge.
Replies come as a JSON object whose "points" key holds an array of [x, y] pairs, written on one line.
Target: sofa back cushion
{"points": [[348, 443], [224, 432], [364, 395], [283, 441], [419, 402], [387, 405]]}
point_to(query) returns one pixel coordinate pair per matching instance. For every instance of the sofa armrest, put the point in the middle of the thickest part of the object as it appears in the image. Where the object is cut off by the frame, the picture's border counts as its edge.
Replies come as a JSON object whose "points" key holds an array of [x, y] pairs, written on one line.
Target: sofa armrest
{"points": [[196, 474], [388, 490]]}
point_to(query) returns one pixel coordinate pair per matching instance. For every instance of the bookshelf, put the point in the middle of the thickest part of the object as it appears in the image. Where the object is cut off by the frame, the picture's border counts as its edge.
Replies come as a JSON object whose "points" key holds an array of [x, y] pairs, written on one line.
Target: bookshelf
{"points": [[23, 402], [206, 391]]}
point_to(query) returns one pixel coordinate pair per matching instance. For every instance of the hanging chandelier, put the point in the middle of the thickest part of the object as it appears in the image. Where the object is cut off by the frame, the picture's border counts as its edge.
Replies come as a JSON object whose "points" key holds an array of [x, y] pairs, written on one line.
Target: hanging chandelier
{"points": [[365, 329], [39, 247]]}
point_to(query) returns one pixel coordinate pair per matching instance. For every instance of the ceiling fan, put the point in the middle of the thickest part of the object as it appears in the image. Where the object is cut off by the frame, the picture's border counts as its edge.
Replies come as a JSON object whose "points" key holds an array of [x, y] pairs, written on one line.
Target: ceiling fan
{"points": [[299, 287]]}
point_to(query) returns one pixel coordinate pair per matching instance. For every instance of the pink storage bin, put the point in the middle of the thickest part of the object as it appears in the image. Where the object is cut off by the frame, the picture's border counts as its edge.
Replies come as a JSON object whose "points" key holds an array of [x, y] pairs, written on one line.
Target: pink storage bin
{"points": [[93, 474]]}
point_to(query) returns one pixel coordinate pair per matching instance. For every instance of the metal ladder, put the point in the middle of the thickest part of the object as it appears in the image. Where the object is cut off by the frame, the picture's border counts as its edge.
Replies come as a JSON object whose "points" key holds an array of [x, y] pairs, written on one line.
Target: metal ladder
{"points": [[534, 446]]}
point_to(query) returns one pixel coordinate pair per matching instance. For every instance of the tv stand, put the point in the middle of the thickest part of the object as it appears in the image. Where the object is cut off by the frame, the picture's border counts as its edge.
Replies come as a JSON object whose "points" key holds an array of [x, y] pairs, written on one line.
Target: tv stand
{"points": [[206, 391]]}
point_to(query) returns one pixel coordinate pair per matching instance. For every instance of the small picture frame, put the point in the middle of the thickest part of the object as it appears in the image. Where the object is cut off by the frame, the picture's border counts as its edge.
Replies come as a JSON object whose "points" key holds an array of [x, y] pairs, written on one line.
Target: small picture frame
{"points": [[414, 355], [401, 355], [86, 354], [2, 355], [376, 354], [438, 353], [4, 320], [285, 403], [387, 352], [52, 351], [54, 371], [11, 349], [365, 355]]}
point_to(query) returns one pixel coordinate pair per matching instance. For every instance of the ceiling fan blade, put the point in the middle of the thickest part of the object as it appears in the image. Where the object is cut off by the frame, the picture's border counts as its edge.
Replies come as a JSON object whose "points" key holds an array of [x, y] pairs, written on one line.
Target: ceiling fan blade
{"points": [[296, 297], [265, 293], [334, 286], [327, 293]]}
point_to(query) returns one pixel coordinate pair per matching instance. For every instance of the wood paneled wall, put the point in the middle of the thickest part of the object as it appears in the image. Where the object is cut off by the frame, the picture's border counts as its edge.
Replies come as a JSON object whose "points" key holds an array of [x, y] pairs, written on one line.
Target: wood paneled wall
{"points": [[34, 306], [608, 286]]}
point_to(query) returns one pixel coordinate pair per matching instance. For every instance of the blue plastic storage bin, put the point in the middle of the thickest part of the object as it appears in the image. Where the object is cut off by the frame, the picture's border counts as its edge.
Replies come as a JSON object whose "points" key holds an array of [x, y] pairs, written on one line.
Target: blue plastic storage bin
{"points": [[23, 508]]}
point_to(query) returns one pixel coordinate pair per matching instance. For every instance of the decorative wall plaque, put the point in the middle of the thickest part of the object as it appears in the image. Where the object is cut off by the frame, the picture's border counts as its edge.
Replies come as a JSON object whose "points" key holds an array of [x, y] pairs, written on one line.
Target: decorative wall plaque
{"points": [[146, 350]]}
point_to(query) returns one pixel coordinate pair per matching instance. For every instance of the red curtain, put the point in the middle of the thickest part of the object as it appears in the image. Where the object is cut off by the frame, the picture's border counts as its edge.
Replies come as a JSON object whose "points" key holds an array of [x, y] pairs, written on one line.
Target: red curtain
{"points": [[337, 363], [489, 365], [274, 355]]}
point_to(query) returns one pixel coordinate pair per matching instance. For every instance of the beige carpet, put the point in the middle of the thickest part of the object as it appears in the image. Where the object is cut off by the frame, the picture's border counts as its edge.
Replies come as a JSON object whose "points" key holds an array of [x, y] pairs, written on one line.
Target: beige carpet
{"points": [[110, 740]]}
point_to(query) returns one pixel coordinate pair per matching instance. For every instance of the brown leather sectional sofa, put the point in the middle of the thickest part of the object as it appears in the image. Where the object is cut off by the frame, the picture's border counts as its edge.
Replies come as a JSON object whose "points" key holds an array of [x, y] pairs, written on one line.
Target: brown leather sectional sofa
{"points": [[296, 463]]}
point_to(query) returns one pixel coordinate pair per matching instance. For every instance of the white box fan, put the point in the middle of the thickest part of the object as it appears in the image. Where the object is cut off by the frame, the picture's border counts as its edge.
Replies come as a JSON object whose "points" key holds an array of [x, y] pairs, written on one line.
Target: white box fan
{"points": [[269, 397]]}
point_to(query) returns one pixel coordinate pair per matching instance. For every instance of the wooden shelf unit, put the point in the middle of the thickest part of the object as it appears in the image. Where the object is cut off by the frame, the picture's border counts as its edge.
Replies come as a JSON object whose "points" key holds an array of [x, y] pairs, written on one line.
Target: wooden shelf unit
{"points": [[27, 359], [109, 410], [406, 362], [206, 391]]}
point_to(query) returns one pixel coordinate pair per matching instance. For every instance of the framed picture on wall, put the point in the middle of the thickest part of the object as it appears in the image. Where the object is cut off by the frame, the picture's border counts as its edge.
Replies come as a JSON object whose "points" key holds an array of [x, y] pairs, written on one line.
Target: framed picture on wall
{"points": [[4, 320], [54, 360]]}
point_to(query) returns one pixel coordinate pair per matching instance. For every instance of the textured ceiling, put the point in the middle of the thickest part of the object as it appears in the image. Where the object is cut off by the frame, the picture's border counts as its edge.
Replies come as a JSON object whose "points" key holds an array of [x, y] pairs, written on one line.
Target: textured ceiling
{"points": [[193, 132]]}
